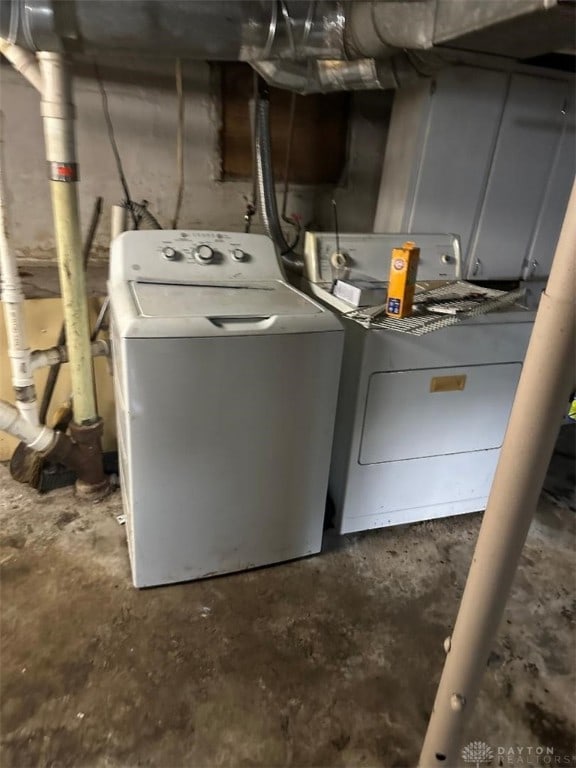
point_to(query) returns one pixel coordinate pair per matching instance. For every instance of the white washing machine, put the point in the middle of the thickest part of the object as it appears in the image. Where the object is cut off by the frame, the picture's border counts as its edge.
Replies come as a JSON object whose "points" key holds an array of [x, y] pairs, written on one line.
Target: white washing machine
{"points": [[420, 419], [226, 384]]}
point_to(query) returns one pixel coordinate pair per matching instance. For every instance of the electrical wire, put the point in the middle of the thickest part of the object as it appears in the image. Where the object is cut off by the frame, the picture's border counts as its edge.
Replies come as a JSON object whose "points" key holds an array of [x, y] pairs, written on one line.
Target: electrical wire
{"points": [[113, 144], [179, 143]]}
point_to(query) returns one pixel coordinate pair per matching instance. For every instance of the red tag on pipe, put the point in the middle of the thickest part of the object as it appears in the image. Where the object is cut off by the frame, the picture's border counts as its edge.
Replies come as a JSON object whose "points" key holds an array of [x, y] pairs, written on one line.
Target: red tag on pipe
{"points": [[63, 171]]}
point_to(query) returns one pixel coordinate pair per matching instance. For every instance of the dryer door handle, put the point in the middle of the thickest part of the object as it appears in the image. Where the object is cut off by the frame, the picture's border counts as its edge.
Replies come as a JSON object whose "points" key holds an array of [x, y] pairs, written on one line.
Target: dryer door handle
{"points": [[232, 323]]}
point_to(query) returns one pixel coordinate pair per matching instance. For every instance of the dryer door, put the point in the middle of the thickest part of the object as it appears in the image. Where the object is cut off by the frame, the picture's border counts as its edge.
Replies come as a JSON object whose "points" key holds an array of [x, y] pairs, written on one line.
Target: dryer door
{"points": [[437, 411]]}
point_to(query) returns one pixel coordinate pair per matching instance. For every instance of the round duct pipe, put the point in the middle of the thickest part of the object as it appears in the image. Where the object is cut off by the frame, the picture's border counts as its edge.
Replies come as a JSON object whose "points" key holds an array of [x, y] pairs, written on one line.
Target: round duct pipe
{"points": [[286, 31], [214, 30]]}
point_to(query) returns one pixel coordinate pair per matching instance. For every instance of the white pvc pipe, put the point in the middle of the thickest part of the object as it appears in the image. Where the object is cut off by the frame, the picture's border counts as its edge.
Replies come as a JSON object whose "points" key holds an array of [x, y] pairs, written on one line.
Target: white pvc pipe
{"points": [[42, 358], [36, 436], [12, 297], [23, 61], [118, 218], [541, 400]]}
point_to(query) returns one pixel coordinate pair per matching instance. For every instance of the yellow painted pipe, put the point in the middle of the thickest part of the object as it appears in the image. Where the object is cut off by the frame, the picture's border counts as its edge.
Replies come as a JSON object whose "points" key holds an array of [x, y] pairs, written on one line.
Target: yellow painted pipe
{"points": [[58, 120]]}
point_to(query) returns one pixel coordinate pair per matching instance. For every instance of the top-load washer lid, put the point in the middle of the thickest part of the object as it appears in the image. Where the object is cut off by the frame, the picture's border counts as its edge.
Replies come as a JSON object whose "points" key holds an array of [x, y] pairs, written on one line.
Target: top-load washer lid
{"points": [[256, 299]]}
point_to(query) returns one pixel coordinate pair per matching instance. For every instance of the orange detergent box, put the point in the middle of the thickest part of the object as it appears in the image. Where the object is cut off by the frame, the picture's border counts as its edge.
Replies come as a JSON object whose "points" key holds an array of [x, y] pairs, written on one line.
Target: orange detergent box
{"points": [[403, 268]]}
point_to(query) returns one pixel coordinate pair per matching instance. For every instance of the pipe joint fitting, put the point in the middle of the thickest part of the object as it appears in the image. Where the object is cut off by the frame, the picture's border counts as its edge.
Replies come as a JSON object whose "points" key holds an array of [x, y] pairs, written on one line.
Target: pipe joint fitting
{"points": [[27, 408], [23, 61], [54, 110], [87, 434], [21, 364], [25, 394], [42, 358], [11, 293], [22, 423], [82, 452]]}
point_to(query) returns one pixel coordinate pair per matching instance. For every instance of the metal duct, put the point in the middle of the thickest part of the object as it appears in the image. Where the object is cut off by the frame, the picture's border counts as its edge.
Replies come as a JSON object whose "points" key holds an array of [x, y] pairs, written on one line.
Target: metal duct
{"points": [[325, 76], [302, 45], [214, 29], [372, 28], [391, 43], [258, 30]]}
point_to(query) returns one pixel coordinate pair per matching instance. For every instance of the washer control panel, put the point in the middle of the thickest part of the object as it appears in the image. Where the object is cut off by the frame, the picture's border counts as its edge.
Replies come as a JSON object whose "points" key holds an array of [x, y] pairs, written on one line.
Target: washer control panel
{"points": [[182, 256]]}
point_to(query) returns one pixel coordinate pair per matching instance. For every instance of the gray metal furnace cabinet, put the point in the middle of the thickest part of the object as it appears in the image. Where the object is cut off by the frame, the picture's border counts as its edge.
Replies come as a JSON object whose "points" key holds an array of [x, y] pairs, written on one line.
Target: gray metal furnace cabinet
{"points": [[489, 156]]}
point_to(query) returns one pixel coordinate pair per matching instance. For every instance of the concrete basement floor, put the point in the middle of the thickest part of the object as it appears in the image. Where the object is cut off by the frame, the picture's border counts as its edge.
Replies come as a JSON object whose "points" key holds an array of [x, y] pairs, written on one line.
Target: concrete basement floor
{"points": [[329, 661]]}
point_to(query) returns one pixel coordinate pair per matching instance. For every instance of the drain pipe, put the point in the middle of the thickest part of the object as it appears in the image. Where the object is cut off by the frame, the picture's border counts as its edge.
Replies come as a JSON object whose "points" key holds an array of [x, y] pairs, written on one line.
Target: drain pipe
{"points": [[12, 297], [23, 61], [36, 436], [541, 400], [78, 452], [45, 358], [58, 117]]}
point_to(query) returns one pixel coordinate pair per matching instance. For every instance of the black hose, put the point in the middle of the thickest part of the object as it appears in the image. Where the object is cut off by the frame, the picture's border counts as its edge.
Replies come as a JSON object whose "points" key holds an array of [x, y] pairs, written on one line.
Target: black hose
{"points": [[265, 174]]}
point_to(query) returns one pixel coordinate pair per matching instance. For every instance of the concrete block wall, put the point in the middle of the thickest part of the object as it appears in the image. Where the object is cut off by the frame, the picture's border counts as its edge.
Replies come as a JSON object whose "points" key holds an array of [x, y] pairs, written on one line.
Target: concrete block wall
{"points": [[143, 107]]}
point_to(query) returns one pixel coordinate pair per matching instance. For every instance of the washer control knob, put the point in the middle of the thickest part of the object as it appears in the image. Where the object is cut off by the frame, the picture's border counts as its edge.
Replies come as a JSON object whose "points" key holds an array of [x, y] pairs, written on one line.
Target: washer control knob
{"points": [[170, 253], [238, 254], [204, 254]]}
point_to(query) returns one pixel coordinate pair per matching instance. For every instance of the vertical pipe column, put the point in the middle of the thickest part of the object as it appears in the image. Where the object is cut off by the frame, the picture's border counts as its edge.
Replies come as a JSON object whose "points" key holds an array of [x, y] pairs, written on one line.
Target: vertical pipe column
{"points": [[12, 297], [58, 116], [541, 399]]}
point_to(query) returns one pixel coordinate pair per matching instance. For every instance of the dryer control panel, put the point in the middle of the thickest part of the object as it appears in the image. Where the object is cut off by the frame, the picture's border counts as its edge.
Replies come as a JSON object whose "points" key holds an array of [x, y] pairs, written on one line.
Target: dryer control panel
{"points": [[329, 257], [189, 256]]}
